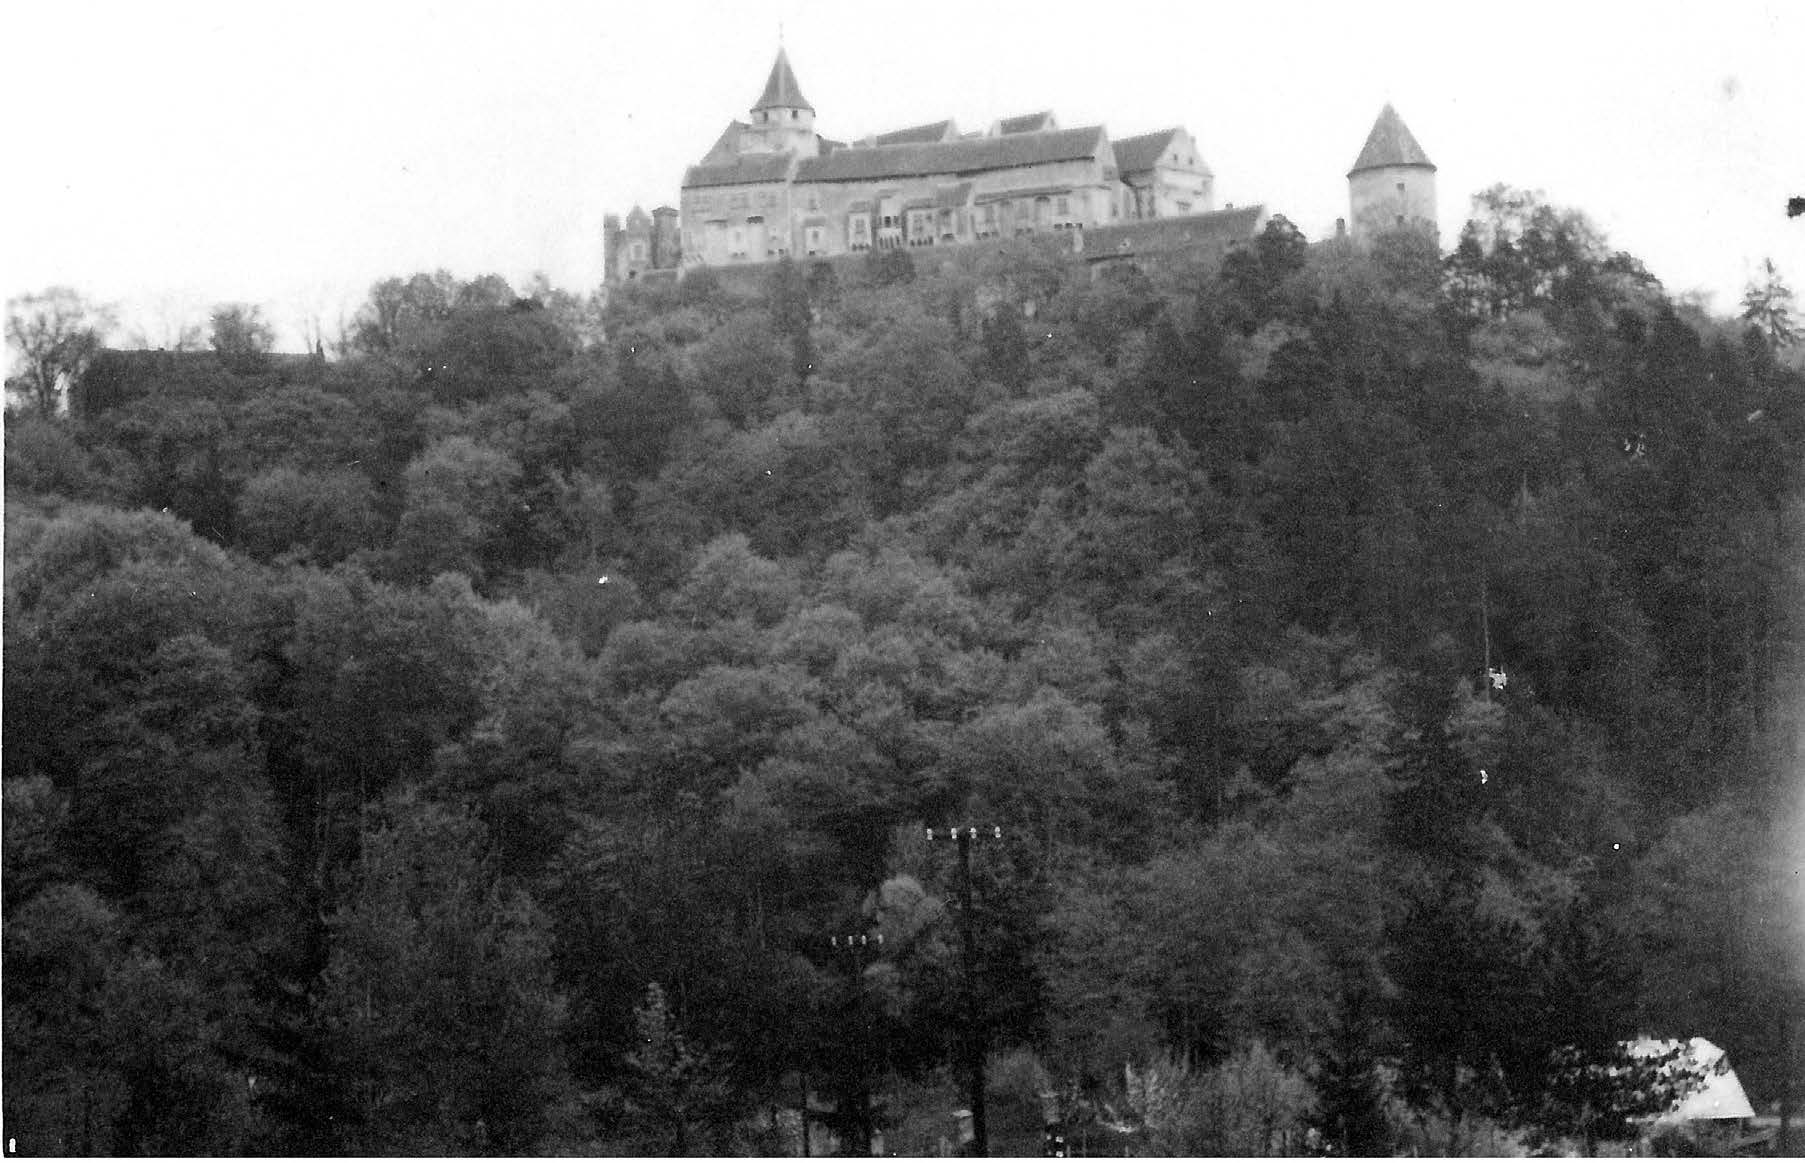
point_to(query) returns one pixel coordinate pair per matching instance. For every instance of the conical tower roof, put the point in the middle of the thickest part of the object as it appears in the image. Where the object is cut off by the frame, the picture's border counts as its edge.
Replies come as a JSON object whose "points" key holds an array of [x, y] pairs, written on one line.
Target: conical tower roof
{"points": [[1390, 144], [781, 90]]}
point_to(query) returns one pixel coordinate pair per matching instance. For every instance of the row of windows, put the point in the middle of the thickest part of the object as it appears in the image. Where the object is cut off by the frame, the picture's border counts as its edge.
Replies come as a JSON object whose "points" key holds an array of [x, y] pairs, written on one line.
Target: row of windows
{"points": [[911, 228]]}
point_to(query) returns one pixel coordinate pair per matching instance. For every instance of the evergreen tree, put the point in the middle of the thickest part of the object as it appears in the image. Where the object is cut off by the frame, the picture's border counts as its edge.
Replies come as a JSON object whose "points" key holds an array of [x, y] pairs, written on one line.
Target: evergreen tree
{"points": [[1350, 1094]]}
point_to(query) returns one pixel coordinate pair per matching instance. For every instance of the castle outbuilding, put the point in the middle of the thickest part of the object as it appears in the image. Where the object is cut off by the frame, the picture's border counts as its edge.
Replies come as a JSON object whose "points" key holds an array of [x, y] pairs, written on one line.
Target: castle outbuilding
{"points": [[1392, 184]]}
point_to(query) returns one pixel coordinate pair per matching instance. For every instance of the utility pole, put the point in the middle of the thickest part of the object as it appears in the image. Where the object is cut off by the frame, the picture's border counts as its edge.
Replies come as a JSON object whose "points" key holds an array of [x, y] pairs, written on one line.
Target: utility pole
{"points": [[860, 948], [974, 1031]]}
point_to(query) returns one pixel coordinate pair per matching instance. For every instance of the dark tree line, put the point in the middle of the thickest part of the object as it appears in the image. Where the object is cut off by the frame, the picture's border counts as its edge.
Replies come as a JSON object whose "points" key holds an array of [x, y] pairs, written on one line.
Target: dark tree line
{"points": [[1383, 667]]}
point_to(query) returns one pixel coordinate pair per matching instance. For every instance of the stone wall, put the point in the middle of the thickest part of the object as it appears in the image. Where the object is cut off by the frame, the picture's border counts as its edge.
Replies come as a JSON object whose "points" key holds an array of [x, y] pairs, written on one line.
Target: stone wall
{"points": [[1391, 196]]}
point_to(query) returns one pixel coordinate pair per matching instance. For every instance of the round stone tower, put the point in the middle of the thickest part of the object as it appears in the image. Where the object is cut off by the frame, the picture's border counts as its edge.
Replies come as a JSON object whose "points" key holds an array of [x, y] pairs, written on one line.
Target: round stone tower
{"points": [[1392, 184]]}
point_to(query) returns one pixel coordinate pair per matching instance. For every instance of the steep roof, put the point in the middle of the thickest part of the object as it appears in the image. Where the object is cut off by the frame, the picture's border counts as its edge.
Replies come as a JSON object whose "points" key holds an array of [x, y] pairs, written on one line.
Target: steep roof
{"points": [[918, 134], [781, 89], [727, 146], [1041, 122], [872, 163], [1390, 144], [1134, 154], [744, 170]]}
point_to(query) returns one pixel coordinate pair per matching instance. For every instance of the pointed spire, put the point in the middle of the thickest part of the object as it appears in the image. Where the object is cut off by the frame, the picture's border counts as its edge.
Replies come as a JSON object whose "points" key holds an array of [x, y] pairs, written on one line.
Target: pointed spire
{"points": [[781, 90], [1390, 144]]}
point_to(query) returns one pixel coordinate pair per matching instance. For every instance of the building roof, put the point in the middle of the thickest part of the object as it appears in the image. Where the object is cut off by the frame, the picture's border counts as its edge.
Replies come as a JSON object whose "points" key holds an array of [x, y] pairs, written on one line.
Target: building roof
{"points": [[747, 169], [872, 163], [726, 146], [1143, 152], [781, 89], [1213, 227], [1390, 144], [1719, 1094], [918, 134], [1041, 122]]}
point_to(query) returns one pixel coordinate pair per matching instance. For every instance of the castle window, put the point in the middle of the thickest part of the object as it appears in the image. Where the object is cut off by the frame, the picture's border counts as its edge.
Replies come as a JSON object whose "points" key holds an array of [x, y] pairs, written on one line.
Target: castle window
{"points": [[638, 250], [795, 114], [814, 240], [1400, 187], [921, 227], [1064, 207]]}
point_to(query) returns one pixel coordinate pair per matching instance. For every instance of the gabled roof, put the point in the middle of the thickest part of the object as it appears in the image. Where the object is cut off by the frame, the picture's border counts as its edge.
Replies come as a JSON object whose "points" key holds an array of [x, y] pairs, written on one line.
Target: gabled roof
{"points": [[1390, 144], [1041, 122], [781, 89], [871, 163], [744, 170], [726, 146], [918, 134], [1134, 154]]}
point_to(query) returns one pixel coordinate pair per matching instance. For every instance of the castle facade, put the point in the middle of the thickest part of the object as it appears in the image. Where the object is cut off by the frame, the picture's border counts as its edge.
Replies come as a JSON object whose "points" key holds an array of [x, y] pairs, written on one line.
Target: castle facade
{"points": [[773, 187]]}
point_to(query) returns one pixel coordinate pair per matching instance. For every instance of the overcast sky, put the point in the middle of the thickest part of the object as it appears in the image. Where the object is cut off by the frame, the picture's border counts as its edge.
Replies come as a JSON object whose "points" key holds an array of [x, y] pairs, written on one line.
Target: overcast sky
{"points": [[165, 156]]}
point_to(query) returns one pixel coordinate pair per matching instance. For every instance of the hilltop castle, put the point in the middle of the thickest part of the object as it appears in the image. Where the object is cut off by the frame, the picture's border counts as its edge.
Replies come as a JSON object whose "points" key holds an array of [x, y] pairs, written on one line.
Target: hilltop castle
{"points": [[773, 187]]}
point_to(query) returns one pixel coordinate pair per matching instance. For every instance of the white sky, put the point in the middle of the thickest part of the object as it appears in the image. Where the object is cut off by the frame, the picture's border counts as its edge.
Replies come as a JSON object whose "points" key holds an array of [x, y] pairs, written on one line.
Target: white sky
{"points": [[165, 156]]}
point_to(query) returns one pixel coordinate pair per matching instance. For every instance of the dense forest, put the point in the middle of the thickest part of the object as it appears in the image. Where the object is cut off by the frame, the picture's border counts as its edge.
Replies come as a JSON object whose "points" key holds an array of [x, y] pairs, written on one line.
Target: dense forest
{"points": [[1373, 678]]}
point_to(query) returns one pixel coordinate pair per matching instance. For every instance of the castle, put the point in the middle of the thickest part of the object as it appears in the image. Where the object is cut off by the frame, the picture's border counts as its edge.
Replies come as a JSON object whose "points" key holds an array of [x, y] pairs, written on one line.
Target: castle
{"points": [[773, 187]]}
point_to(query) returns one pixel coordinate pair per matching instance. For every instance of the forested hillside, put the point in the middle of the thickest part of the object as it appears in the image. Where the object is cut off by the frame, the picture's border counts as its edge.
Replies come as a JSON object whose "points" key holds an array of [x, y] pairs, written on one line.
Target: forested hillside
{"points": [[1384, 672]]}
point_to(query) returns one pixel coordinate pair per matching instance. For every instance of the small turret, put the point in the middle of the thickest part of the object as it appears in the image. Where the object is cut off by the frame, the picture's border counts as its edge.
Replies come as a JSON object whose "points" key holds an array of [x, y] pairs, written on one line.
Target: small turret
{"points": [[1392, 184], [782, 120]]}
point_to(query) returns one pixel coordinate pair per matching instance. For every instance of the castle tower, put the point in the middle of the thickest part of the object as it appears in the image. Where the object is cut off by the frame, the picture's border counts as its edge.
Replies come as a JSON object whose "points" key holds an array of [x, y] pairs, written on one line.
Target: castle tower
{"points": [[666, 249], [782, 121], [613, 239], [1392, 184]]}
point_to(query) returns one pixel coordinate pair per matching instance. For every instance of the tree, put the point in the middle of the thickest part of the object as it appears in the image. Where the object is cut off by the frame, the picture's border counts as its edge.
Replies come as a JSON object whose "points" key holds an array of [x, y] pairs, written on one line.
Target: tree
{"points": [[55, 333], [242, 337], [438, 997], [460, 497], [1350, 1093], [675, 1088], [322, 516], [1768, 306]]}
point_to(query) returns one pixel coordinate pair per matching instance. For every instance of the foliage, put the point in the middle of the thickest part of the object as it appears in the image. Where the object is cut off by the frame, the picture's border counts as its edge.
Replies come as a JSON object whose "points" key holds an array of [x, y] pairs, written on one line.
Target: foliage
{"points": [[56, 333], [1371, 658]]}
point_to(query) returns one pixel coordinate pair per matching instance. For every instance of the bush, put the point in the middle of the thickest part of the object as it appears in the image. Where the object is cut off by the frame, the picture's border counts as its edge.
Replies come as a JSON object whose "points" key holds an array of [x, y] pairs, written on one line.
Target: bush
{"points": [[1250, 1104]]}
